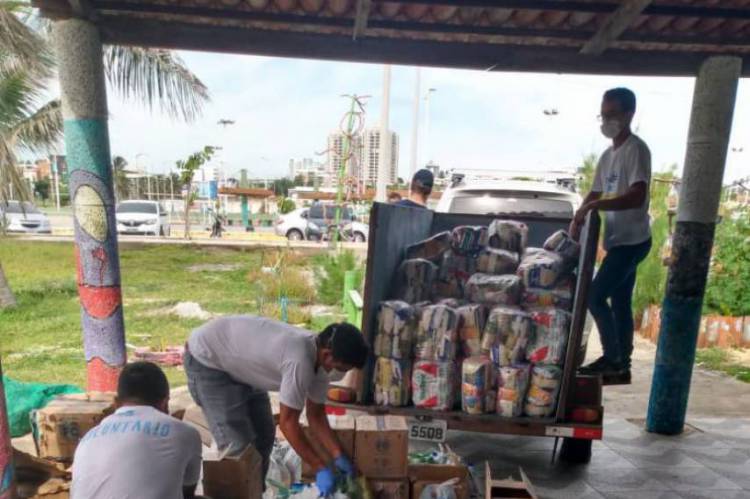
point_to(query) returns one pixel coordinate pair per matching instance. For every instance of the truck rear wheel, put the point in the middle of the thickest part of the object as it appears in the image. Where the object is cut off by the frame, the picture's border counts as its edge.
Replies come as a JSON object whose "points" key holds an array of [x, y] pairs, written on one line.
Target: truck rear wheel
{"points": [[575, 451]]}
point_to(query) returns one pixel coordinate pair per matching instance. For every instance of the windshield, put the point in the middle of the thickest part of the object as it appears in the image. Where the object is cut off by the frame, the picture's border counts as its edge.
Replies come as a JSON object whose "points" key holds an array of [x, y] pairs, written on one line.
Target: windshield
{"points": [[15, 207], [137, 208], [498, 202]]}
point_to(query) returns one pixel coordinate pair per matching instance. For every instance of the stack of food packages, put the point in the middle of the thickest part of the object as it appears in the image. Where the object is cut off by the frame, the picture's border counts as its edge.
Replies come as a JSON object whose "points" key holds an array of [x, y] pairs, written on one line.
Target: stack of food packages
{"points": [[480, 319]]}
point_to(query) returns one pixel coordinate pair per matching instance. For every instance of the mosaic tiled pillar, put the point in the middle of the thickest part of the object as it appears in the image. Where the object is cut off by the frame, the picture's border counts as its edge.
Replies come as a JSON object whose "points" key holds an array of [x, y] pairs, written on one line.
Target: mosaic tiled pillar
{"points": [[7, 485], [84, 104], [708, 140]]}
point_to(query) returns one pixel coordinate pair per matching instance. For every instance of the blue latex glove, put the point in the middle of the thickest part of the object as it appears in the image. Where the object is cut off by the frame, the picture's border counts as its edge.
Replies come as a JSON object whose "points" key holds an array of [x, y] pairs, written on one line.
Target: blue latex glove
{"points": [[344, 465], [325, 481]]}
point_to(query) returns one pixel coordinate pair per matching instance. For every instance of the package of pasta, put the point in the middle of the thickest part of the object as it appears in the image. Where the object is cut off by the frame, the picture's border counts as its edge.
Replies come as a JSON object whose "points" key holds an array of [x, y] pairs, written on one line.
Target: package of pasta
{"points": [[471, 321], [497, 261], [397, 324], [507, 335], [550, 336], [434, 384], [468, 239], [437, 334], [430, 249], [541, 270], [543, 389], [492, 289], [561, 296], [564, 245], [415, 278], [477, 378], [392, 381], [512, 385], [508, 235]]}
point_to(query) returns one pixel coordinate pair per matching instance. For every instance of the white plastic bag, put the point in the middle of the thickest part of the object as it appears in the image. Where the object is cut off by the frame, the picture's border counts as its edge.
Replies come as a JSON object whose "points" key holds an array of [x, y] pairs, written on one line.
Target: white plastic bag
{"points": [[445, 490]]}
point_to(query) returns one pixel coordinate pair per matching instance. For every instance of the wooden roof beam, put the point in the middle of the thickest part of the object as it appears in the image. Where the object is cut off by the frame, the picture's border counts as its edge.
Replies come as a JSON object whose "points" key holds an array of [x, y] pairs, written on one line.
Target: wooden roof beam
{"points": [[361, 17], [614, 26]]}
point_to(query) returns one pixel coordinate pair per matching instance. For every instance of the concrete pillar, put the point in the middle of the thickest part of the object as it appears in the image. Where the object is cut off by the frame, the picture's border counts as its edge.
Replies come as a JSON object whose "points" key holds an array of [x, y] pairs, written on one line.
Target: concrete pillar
{"points": [[708, 139], [7, 475], [84, 105], [243, 200]]}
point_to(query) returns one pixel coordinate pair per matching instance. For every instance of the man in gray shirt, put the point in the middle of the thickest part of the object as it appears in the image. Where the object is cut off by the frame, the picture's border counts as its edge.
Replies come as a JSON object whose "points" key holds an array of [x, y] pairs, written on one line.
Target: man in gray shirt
{"points": [[233, 362]]}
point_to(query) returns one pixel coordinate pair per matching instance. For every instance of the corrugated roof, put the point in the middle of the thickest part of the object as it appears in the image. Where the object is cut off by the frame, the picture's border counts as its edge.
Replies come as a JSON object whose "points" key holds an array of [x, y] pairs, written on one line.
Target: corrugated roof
{"points": [[593, 36]]}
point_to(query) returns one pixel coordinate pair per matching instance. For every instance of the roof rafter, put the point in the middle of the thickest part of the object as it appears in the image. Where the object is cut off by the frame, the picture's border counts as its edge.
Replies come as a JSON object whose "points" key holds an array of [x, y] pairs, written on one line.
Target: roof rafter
{"points": [[614, 26], [360, 18]]}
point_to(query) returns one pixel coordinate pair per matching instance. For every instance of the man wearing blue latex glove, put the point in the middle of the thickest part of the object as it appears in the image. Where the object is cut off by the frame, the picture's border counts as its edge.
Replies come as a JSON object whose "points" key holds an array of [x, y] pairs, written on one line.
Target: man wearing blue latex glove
{"points": [[344, 465], [325, 481]]}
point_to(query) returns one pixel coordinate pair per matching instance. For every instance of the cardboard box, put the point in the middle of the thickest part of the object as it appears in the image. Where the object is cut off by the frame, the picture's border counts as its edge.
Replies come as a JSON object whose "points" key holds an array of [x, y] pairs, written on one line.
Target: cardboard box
{"points": [[422, 475], [508, 488], [381, 446], [390, 489], [66, 419], [343, 427], [234, 477]]}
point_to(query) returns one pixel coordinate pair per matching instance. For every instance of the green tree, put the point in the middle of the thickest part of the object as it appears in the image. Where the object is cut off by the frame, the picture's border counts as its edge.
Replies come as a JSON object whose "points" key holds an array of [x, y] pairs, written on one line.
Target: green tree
{"points": [[286, 205], [281, 186], [728, 288], [41, 189], [586, 173], [187, 171], [120, 178]]}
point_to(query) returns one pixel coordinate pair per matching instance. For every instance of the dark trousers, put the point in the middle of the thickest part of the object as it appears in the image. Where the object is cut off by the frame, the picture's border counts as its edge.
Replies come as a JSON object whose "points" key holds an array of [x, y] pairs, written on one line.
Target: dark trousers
{"points": [[238, 415], [614, 281]]}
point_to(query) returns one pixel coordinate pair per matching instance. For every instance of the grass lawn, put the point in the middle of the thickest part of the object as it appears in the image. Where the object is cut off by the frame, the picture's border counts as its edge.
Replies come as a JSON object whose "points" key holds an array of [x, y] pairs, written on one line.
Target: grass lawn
{"points": [[720, 360], [41, 338]]}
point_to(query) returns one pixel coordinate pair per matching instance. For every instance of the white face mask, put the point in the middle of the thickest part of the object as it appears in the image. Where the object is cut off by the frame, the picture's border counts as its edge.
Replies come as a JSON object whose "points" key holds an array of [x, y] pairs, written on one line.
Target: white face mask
{"points": [[336, 375], [611, 128]]}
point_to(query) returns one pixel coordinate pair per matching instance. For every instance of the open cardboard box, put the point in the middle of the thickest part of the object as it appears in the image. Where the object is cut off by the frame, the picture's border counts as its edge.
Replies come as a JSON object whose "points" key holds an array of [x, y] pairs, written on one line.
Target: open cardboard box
{"points": [[508, 488], [422, 475]]}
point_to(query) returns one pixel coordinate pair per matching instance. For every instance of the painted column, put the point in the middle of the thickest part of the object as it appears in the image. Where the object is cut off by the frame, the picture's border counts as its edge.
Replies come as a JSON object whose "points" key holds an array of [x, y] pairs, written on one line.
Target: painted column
{"points": [[243, 200], [84, 105], [708, 139], [7, 475]]}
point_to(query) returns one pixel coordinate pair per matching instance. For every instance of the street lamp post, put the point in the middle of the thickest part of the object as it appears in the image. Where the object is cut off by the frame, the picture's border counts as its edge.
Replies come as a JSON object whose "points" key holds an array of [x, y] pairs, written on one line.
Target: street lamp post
{"points": [[427, 99]]}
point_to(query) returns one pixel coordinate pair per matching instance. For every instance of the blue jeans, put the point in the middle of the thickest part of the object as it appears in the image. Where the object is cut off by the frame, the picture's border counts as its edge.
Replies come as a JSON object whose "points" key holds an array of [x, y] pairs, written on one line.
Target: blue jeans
{"points": [[614, 281]]}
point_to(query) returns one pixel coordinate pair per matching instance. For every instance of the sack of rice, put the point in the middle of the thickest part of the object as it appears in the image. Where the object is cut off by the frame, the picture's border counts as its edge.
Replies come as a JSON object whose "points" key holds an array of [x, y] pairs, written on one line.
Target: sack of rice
{"points": [[397, 321], [561, 296], [471, 323], [541, 399], [506, 335], [513, 383], [392, 381], [497, 261], [540, 270], [494, 289], [415, 278], [434, 384], [468, 239], [508, 235], [437, 334], [550, 336], [455, 269]]}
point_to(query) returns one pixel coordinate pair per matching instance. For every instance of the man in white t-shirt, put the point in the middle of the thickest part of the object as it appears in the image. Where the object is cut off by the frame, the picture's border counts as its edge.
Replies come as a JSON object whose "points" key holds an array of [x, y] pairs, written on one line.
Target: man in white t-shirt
{"points": [[139, 452], [233, 362], [620, 190]]}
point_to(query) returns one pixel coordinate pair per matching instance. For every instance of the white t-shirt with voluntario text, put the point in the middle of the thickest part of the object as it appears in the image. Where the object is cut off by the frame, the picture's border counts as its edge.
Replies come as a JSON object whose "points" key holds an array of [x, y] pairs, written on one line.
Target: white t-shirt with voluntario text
{"points": [[265, 354], [136, 453], [617, 171]]}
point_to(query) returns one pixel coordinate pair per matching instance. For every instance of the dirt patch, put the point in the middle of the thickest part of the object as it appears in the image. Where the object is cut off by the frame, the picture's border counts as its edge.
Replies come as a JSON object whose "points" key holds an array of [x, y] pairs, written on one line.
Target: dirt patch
{"points": [[739, 356], [213, 267], [187, 310]]}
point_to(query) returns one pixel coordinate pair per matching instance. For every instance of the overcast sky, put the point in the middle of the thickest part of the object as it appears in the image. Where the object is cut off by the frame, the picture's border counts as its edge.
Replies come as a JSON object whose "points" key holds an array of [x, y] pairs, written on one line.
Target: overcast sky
{"points": [[285, 108]]}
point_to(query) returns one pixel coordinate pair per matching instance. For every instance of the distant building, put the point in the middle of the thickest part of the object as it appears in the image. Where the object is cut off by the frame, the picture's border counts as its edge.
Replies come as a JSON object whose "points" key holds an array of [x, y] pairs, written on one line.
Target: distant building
{"points": [[337, 154], [313, 172], [43, 168], [371, 157]]}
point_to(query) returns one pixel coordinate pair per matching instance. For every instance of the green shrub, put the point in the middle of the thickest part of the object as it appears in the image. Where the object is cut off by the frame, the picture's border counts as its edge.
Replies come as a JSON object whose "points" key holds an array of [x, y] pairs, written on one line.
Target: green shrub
{"points": [[329, 273], [728, 288], [286, 205]]}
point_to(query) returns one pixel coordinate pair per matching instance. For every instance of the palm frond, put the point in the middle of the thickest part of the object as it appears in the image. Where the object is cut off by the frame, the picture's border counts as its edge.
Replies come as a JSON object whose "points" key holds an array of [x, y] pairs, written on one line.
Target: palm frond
{"points": [[11, 179], [155, 76], [18, 93], [20, 44], [40, 130]]}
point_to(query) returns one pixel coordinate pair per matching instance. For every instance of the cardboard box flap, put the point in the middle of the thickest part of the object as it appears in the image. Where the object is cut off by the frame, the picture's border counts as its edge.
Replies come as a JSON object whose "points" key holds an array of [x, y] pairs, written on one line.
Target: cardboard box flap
{"points": [[79, 404], [381, 423], [508, 488], [336, 422], [422, 475]]}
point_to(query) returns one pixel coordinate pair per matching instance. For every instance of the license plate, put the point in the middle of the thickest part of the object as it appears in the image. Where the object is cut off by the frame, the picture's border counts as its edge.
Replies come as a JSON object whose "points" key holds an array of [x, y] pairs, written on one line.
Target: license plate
{"points": [[434, 430]]}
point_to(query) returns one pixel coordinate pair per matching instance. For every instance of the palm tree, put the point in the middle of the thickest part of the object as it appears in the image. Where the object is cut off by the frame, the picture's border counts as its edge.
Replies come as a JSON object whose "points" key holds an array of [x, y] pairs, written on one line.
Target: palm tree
{"points": [[120, 177], [27, 123]]}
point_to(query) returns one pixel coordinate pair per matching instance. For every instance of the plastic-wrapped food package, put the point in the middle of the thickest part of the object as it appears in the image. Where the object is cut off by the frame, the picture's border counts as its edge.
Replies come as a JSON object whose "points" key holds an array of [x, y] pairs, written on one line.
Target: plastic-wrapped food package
{"points": [[451, 302], [445, 490], [455, 269], [437, 334], [508, 235], [506, 335], [392, 381], [415, 279], [468, 239], [513, 383], [471, 321], [568, 248], [434, 384], [561, 296], [531, 251], [542, 397], [497, 261], [477, 378], [396, 330], [494, 289], [551, 327], [430, 249], [541, 270]]}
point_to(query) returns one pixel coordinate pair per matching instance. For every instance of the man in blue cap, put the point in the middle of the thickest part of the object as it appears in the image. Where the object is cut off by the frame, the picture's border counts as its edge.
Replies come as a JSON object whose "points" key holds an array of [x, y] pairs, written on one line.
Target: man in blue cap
{"points": [[420, 190]]}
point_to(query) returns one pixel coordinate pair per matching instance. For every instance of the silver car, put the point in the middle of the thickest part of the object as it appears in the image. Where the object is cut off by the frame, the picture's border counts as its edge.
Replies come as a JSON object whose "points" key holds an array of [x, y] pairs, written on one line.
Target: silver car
{"points": [[313, 223], [24, 218]]}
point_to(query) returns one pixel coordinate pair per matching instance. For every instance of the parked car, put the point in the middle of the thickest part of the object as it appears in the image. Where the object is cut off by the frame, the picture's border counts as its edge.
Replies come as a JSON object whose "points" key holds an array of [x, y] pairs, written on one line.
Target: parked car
{"points": [[508, 197], [24, 217], [313, 223], [142, 217]]}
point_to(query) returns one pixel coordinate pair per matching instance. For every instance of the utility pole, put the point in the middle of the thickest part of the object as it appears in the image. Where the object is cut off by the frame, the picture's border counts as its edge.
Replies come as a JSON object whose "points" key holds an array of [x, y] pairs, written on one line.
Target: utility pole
{"points": [[427, 148], [384, 150], [415, 125], [56, 180]]}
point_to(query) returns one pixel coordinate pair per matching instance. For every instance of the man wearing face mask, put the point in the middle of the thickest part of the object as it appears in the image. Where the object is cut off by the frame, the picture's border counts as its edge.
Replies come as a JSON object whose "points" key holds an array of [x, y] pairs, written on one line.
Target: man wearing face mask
{"points": [[233, 362], [620, 190]]}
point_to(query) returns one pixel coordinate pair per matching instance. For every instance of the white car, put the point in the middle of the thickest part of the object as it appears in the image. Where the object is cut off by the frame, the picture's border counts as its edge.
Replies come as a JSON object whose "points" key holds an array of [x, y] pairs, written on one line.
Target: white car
{"points": [[26, 217], [518, 197], [313, 223], [143, 218]]}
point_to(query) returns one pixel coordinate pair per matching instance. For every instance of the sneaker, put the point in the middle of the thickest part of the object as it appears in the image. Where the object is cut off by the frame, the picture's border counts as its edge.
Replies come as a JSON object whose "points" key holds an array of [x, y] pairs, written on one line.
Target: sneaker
{"points": [[597, 367]]}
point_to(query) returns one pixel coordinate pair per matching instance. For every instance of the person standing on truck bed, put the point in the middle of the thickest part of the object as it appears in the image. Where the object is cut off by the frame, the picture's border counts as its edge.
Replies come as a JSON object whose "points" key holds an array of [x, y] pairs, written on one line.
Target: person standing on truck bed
{"points": [[620, 190], [140, 451], [232, 363], [420, 190]]}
